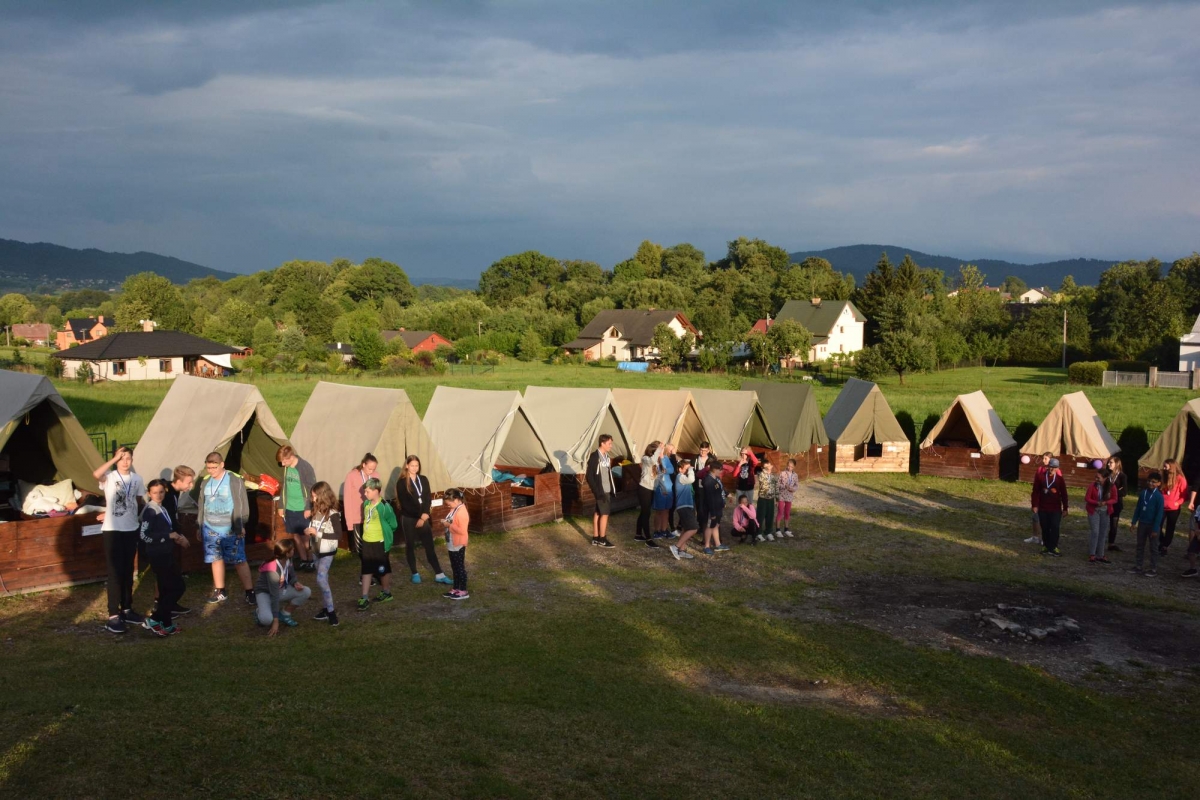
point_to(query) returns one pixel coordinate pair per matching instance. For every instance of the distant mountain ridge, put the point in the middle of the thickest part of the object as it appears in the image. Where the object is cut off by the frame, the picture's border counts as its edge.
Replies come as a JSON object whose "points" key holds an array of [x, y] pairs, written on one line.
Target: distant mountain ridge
{"points": [[26, 267], [860, 259]]}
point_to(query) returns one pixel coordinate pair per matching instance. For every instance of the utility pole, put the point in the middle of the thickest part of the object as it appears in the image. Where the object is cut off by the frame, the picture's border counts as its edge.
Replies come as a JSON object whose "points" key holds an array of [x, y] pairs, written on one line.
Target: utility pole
{"points": [[1064, 343]]}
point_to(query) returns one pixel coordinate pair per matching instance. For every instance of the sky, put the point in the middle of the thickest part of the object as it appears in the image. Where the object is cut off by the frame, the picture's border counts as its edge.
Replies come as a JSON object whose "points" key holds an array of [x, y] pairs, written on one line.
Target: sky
{"points": [[443, 136]]}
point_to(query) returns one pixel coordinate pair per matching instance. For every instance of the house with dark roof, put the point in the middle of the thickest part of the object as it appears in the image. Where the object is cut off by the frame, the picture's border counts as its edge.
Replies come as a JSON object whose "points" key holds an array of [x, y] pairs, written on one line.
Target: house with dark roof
{"points": [[36, 333], [626, 334], [77, 330], [416, 341], [148, 355], [836, 325]]}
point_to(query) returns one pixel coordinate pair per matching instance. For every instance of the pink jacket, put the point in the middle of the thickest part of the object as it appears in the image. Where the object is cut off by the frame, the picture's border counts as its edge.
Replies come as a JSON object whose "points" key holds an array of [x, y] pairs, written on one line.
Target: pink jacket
{"points": [[743, 514], [353, 497], [1095, 498], [456, 531]]}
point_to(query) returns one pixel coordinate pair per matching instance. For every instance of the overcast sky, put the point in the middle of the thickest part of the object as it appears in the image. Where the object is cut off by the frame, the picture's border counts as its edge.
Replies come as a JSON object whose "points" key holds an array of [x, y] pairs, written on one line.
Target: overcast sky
{"points": [[444, 136]]}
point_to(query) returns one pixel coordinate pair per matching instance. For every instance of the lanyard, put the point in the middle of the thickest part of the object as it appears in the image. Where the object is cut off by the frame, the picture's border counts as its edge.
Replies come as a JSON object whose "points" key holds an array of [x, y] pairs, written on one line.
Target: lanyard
{"points": [[370, 512], [163, 511], [280, 570], [216, 489], [416, 482], [126, 488], [1050, 478]]}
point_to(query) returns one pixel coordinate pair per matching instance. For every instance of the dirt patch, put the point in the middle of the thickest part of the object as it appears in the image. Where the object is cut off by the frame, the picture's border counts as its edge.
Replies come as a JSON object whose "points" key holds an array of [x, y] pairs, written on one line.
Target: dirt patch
{"points": [[806, 693], [825, 496]]}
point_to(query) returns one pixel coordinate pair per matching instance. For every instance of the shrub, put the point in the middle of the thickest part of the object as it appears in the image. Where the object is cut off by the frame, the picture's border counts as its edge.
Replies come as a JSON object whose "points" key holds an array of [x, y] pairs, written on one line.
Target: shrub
{"points": [[52, 368], [1087, 373], [1129, 366], [870, 364]]}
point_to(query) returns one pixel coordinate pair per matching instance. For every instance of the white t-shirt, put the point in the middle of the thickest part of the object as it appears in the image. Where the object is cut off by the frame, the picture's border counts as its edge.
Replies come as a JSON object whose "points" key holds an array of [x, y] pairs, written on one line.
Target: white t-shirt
{"points": [[121, 495]]}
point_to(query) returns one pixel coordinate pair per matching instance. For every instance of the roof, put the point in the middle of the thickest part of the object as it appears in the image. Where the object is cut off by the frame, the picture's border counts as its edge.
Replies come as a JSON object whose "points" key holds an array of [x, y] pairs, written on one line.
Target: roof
{"points": [[82, 326], [1172, 442], [385, 425], [971, 416], [1072, 427], [861, 413], [733, 419], [762, 326], [818, 319], [411, 338], [33, 330], [792, 413], [662, 415], [475, 430], [636, 325], [144, 344], [571, 421], [47, 441]]}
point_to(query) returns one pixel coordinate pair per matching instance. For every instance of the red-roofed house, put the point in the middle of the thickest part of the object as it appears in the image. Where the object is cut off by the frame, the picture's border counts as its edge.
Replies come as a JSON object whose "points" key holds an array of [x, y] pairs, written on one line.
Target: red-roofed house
{"points": [[37, 334], [416, 341]]}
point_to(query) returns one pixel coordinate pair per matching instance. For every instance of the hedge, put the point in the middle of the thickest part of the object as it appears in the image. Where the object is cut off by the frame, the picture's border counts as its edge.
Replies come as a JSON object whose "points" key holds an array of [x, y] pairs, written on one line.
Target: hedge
{"points": [[1087, 373], [1129, 366]]}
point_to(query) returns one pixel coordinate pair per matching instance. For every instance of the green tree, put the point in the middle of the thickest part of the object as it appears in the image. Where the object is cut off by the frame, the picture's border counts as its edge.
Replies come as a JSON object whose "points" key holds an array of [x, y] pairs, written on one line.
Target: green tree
{"points": [[369, 348], [350, 326], [905, 352], [390, 313], [667, 344], [683, 263], [628, 271], [593, 307], [812, 277], [517, 276], [146, 296], [16, 309], [1014, 286], [265, 339], [1136, 313], [376, 279], [530, 347], [762, 350], [653, 293], [789, 339], [649, 257]]}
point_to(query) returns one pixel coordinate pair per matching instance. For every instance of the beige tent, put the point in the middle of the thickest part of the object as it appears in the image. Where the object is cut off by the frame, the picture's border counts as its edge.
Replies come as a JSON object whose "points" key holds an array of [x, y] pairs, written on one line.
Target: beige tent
{"points": [[1181, 437], [733, 419], [662, 415], [41, 437], [792, 413], [571, 421], [475, 431], [340, 423], [971, 417], [861, 414], [1073, 428], [200, 415]]}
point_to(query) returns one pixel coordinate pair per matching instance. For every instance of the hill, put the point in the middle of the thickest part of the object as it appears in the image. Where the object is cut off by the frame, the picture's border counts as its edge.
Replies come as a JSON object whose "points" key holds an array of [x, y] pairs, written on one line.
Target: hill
{"points": [[26, 267], [859, 259]]}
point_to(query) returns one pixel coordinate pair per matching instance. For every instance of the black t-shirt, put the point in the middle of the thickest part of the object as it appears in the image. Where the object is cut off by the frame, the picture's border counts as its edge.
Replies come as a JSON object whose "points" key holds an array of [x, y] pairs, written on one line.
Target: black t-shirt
{"points": [[745, 477]]}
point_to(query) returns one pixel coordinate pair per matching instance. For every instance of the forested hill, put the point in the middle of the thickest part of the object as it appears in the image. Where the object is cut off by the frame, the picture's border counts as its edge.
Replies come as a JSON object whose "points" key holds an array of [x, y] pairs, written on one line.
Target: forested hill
{"points": [[860, 259], [28, 267]]}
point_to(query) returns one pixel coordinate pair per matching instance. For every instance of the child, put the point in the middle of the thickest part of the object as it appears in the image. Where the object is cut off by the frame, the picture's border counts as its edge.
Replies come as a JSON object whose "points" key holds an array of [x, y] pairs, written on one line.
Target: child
{"points": [[120, 523], [714, 506], [768, 490], [685, 509], [745, 520], [181, 483], [1175, 494], [160, 537], [294, 499], [324, 528], [788, 483], [1147, 519], [1101, 497], [277, 584], [1042, 465], [1122, 486], [664, 491], [1193, 545], [456, 522], [379, 526], [352, 492], [745, 471], [1049, 500]]}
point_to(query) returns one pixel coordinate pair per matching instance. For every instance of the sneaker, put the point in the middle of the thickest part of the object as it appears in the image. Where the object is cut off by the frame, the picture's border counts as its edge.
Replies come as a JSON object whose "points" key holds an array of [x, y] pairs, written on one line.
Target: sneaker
{"points": [[1112, 548], [685, 554], [770, 537], [217, 596], [416, 578], [1056, 553], [171, 629], [759, 538], [288, 619], [363, 604], [115, 625], [444, 581], [788, 534], [1189, 573], [596, 541], [179, 611], [460, 595], [1091, 559], [250, 601], [722, 548], [132, 617], [1044, 552], [449, 595], [651, 543], [708, 551], [660, 535], [1136, 570], [333, 620], [641, 537], [675, 534], [1150, 573], [674, 552], [604, 542], [383, 597], [156, 628], [1103, 560], [321, 615], [1033, 540]]}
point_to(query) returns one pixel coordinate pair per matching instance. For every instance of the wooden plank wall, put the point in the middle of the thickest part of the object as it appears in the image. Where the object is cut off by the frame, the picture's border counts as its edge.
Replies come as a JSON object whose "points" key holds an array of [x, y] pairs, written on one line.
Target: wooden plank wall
{"points": [[849, 458], [491, 507], [1077, 471], [967, 462]]}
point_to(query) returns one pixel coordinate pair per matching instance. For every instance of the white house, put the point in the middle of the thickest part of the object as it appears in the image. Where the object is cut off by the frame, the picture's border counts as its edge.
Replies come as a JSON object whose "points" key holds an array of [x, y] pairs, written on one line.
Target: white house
{"points": [[1189, 349], [836, 325], [1035, 295], [625, 334], [148, 355]]}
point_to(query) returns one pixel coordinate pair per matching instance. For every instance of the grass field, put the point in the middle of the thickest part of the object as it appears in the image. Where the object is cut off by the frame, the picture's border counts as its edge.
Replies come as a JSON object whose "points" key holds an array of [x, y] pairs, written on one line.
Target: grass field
{"points": [[843, 663]]}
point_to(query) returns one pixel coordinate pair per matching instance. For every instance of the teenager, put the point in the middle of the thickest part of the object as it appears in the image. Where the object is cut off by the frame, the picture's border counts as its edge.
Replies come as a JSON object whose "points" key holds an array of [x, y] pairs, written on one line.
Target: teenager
{"points": [[182, 479], [223, 511], [1121, 483], [745, 520], [1049, 500], [1101, 497], [120, 523], [646, 492], [353, 497], [295, 504], [788, 483], [324, 530], [1043, 463], [379, 528], [664, 493], [159, 536], [767, 490], [746, 466], [685, 509], [1175, 494], [457, 520], [604, 488], [415, 499], [278, 592], [713, 492], [1147, 520]]}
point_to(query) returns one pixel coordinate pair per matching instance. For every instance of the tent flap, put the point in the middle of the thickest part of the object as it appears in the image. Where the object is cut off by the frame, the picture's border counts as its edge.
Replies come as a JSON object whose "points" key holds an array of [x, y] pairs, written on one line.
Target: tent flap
{"points": [[572, 420]]}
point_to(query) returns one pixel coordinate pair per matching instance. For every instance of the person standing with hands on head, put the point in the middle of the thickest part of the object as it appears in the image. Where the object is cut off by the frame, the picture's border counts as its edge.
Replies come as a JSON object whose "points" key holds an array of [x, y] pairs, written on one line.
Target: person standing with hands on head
{"points": [[685, 508], [664, 492], [415, 499], [646, 492], [295, 501], [745, 471], [1049, 500], [224, 510], [353, 497], [1147, 521], [604, 489], [158, 532], [120, 524]]}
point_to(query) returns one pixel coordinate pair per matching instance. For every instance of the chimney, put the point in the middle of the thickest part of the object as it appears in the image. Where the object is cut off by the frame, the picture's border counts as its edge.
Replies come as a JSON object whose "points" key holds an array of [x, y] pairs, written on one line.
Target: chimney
{"points": [[101, 319], [816, 301], [402, 329], [148, 325]]}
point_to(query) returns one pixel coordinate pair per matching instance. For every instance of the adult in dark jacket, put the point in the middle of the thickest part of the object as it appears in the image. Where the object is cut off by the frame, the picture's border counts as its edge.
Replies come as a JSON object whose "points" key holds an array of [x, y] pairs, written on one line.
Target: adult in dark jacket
{"points": [[295, 500], [600, 481], [414, 497]]}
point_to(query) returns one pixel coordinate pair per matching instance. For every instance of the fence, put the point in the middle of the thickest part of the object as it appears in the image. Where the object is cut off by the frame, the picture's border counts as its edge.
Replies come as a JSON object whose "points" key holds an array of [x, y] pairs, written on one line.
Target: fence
{"points": [[1154, 379], [108, 447]]}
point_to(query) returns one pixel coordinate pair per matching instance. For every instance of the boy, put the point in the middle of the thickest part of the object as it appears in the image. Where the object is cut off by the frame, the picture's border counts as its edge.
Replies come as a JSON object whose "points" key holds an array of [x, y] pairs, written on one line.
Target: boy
{"points": [[1147, 519], [1049, 500], [600, 481], [295, 501], [160, 537], [182, 480], [224, 509], [123, 491]]}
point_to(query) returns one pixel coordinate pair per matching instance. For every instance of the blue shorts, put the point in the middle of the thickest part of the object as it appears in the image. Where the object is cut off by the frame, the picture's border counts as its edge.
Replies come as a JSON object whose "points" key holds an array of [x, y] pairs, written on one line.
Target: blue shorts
{"points": [[224, 547], [294, 522]]}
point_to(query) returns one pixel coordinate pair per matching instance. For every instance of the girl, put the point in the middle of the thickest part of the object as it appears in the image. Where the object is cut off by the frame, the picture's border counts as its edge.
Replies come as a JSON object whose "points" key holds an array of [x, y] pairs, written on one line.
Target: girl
{"points": [[1101, 496], [1174, 490], [456, 522], [323, 532], [123, 490], [159, 536], [714, 507], [379, 526], [1121, 483], [788, 483], [353, 493], [1042, 465], [768, 490], [664, 493], [745, 471], [745, 520], [414, 496], [277, 584], [646, 492], [1049, 500], [685, 508]]}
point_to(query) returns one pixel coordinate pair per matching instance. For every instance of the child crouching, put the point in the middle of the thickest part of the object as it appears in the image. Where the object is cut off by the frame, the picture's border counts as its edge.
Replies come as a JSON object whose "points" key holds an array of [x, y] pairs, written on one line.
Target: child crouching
{"points": [[456, 543], [276, 586], [745, 521]]}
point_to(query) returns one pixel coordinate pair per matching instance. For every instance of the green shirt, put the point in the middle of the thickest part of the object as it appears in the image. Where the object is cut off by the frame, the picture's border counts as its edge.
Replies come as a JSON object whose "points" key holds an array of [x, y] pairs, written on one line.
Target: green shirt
{"points": [[294, 491], [372, 526]]}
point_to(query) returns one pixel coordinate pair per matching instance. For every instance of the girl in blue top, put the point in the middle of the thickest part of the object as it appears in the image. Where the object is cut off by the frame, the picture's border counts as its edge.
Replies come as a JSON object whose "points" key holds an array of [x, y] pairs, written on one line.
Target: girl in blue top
{"points": [[664, 490]]}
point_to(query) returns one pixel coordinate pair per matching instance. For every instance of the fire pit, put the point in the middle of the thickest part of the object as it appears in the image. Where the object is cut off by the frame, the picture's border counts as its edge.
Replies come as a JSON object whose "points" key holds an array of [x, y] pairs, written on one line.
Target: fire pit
{"points": [[1026, 623]]}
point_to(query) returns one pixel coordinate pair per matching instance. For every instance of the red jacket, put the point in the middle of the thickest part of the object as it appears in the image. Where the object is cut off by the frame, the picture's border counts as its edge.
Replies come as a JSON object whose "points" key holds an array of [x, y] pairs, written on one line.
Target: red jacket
{"points": [[1094, 498], [1173, 500], [1052, 497]]}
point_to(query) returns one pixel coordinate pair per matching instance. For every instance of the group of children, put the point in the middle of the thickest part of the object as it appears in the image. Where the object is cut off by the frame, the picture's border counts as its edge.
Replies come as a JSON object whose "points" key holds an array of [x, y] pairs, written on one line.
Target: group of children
{"points": [[1159, 506]]}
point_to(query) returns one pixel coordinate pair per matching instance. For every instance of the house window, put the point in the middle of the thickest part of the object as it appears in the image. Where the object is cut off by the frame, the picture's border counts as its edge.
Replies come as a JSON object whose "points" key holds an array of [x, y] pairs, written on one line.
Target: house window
{"points": [[118, 368], [164, 365], [841, 348], [841, 329], [614, 349]]}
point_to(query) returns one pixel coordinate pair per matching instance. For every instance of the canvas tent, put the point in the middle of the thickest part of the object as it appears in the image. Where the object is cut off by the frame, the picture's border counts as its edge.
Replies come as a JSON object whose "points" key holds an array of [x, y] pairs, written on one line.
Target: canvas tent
{"points": [[341, 423], [41, 437], [1073, 432], [795, 421], [733, 420], [1180, 441], [660, 415], [969, 441], [863, 432], [200, 415], [571, 421]]}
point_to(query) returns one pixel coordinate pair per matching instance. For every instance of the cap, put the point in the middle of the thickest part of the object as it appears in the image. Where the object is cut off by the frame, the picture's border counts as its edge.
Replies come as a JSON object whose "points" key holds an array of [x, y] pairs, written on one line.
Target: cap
{"points": [[1054, 462]]}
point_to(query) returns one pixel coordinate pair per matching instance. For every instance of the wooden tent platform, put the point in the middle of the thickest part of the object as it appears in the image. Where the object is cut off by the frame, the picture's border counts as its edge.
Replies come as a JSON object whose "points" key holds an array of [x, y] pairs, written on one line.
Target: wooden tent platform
{"points": [[854, 457], [491, 507], [1078, 472], [968, 462]]}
